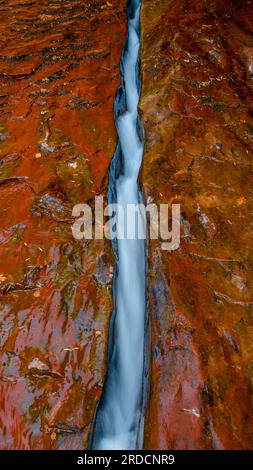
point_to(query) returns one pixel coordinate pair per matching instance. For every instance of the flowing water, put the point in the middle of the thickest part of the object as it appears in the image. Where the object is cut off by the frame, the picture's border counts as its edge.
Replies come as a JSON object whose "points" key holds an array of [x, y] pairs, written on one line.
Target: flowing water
{"points": [[119, 416]]}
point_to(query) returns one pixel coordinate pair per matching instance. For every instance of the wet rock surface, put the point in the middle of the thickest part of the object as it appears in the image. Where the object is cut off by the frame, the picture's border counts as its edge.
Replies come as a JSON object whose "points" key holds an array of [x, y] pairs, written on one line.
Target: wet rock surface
{"points": [[197, 111], [58, 76]]}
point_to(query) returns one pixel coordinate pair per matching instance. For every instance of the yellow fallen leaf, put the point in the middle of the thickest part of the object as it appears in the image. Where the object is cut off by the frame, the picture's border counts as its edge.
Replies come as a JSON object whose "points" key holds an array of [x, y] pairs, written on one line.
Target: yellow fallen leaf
{"points": [[37, 155], [2, 278], [36, 294], [241, 201], [179, 173], [53, 436]]}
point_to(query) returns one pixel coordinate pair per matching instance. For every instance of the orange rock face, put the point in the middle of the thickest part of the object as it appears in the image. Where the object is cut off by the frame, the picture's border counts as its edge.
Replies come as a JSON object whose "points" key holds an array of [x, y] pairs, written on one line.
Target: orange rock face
{"points": [[197, 111], [58, 76]]}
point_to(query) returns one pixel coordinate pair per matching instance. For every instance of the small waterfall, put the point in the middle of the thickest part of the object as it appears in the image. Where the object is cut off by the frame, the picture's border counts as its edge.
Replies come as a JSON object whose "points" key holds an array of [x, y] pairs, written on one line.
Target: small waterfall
{"points": [[119, 418]]}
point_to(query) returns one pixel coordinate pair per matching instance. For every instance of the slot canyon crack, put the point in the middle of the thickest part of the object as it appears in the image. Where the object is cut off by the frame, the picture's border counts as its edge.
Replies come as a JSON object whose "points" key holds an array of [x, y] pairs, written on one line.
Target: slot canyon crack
{"points": [[119, 417]]}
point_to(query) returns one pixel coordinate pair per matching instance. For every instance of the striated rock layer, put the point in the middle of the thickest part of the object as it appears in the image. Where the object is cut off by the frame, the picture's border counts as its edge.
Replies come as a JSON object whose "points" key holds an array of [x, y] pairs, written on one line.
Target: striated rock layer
{"points": [[58, 76], [197, 63]]}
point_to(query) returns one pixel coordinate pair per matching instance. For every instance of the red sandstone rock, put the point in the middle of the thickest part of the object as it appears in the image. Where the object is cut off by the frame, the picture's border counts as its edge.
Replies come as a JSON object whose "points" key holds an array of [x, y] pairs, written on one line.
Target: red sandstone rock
{"points": [[59, 71], [197, 111]]}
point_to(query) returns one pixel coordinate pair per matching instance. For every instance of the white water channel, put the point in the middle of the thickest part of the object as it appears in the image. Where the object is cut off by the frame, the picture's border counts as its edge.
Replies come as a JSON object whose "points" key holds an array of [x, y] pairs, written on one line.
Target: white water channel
{"points": [[118, 420]]}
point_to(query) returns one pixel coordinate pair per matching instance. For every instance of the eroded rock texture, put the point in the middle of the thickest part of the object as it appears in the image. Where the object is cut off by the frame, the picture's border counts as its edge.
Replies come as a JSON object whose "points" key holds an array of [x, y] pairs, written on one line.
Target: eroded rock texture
{"points": [[58, 76], [197, 109]]}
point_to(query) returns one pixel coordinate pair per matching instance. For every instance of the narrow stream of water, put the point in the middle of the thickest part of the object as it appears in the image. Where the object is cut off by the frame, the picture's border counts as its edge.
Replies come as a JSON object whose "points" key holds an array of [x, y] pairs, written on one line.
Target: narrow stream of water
{"points": [[119, 417]]}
